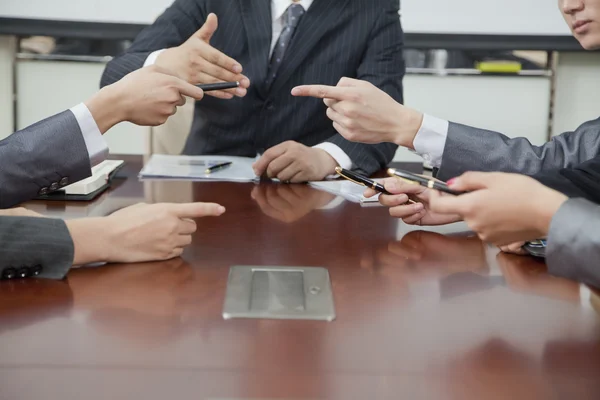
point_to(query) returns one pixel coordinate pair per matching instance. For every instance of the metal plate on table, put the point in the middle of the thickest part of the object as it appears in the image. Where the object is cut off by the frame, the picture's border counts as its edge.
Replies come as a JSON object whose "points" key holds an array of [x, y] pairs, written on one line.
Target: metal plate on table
{"points": [[279, 293]]}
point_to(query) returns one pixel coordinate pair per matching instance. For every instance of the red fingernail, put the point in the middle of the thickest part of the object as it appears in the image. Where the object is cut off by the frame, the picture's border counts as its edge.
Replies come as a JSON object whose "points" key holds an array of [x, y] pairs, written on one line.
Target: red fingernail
{"points": [[451, 182]]}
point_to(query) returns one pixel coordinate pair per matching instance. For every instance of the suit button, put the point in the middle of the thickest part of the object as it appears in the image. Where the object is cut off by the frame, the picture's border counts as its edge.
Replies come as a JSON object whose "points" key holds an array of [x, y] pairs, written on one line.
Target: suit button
{"points": [[54, 186], [23, 272], [64, 181], [269, 106], [9, 273], [36, 270], [43, 191]]}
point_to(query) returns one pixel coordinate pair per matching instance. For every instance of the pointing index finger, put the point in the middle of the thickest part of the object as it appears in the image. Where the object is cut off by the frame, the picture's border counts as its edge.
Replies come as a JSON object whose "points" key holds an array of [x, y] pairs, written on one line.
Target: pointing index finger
{"points": [[323, 92], [196, 210]]}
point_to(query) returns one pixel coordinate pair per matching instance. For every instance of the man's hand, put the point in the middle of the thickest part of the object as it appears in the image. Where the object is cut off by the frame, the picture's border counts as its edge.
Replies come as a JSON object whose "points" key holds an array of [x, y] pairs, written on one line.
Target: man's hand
{"points": [[19, 212], [418, 213], [197, 61], [363, 113], [294, 162], [138, 233], [503, 208], [147, 97], [289, 203]]}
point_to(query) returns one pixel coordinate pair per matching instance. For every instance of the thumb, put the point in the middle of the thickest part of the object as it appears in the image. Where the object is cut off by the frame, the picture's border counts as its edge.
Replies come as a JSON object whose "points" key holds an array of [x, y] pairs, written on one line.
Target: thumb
{"points": [[197, 210], [208, 29], [470, 181]]}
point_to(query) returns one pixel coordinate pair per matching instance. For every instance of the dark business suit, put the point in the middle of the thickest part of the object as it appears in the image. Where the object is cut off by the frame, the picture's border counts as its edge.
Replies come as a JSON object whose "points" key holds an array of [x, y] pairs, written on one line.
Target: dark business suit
{"points": [[36, 160], [42, 158], [34, 247], [335, 38], [473, 149]]}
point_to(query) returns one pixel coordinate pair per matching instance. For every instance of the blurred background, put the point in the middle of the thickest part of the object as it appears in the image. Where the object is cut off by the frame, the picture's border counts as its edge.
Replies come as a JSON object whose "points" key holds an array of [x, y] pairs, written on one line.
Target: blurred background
{"points": [[479, 63]]}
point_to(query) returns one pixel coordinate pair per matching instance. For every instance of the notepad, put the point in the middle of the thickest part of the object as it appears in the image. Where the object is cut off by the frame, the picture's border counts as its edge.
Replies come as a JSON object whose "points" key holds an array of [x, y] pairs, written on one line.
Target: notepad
{"points": [[346, 189], [87, 189], [101, 174], [193, 168]]}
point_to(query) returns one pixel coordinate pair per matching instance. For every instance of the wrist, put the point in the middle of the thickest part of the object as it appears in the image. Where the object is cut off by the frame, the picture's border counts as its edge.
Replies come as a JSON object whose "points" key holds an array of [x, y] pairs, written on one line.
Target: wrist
{"points": [[106, 107], [329, 163], [547, 210], [410, 125], [89, 240]]}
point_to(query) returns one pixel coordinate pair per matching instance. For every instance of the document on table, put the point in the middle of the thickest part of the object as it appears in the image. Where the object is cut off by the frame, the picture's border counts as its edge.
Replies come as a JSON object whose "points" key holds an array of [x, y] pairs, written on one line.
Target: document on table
{"points": [[193, 168], [346, 189]]}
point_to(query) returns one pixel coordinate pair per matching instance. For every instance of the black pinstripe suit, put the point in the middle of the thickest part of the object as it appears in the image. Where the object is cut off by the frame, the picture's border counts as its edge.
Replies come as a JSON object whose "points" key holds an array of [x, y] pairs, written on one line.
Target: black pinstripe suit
{"points": [[335, 38]]}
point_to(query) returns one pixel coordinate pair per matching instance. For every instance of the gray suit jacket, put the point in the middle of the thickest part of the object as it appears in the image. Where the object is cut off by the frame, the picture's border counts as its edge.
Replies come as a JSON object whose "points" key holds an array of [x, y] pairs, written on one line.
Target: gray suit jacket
{"points": [[473, 149], [574, 242], [335, 38], [34, 247], [42, 158]]}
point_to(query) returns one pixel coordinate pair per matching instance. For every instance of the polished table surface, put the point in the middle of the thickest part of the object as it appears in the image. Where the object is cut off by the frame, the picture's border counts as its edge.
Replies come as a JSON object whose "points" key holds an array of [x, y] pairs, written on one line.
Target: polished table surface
{"points": [[420, 315]]}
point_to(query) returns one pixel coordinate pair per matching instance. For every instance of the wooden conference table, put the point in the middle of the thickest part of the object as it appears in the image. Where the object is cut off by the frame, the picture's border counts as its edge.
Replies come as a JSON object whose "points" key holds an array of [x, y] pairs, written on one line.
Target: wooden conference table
{"points": [[420, 315]]}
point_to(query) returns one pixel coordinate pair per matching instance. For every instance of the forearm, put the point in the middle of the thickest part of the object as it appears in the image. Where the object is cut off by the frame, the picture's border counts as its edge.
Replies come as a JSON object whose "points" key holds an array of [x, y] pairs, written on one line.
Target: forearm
{"points": [[574, 242], [42, 157], [468, 148], [90, 240], [107, 108], [37, 247]]}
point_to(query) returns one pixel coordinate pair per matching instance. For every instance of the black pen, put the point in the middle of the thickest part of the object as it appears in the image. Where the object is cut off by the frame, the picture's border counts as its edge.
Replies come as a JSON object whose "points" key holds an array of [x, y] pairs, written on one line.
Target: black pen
{"points": [[423, 181], [361, 180], [208, 87], [217, 167]]}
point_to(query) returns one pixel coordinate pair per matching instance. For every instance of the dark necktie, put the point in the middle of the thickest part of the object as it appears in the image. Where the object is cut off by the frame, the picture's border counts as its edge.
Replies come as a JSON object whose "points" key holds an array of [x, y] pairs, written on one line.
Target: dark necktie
{"points": [[291, 19]]}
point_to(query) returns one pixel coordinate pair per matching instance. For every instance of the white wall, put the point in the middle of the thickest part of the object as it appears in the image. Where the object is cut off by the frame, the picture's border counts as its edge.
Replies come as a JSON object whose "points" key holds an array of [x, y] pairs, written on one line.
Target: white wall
{"points": [[510, 17], [515, 106], [537, 17], [7, 47], [577, 90], [45, 88]]}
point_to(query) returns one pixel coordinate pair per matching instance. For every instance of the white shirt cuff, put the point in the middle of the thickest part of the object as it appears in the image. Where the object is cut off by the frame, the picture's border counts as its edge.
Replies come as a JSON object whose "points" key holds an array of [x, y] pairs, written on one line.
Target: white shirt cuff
{"points": [[152, 57], [94, 141], [431, 139], [340, 157]]}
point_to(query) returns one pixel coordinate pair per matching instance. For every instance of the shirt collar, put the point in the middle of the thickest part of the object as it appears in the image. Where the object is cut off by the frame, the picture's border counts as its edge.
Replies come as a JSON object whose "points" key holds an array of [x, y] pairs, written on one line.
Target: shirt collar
{"points": [[278, 7]]}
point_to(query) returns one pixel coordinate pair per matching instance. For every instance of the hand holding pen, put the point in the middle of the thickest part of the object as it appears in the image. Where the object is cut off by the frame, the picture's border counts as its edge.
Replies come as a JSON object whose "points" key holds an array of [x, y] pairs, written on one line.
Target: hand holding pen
{"points": [[417, 213]]}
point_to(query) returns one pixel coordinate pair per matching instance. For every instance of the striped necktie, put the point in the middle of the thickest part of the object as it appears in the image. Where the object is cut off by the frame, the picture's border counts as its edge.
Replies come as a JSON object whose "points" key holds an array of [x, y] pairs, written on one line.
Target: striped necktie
{"points": [[291, 19]]}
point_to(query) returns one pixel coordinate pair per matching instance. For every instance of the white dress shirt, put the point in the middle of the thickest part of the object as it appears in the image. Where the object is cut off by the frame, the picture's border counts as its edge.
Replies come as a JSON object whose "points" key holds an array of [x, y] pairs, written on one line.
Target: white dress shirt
{"points": [[94, 141], [430, 140], [278, 8]]}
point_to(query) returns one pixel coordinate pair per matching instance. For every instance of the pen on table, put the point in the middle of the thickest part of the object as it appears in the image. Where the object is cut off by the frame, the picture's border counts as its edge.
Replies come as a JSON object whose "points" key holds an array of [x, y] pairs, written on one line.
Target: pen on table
{"points": [[217, 167]]}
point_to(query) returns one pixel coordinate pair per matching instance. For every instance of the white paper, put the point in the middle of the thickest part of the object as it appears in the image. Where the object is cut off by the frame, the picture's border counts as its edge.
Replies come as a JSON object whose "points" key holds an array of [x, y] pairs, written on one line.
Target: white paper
{"points": [[193, 168]]}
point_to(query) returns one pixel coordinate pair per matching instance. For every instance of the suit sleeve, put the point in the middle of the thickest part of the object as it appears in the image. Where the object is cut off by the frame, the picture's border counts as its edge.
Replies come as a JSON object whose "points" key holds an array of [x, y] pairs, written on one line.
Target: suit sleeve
{"points": [[35, 247], [45, 156], [383, 66], [182, 19], [574, 242], [473, 149]]}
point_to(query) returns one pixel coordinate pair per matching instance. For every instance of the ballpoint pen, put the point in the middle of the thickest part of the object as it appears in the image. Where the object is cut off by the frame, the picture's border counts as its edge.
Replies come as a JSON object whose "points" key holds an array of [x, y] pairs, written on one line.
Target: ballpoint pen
{"points": [[361, 180], [217, 167]]}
